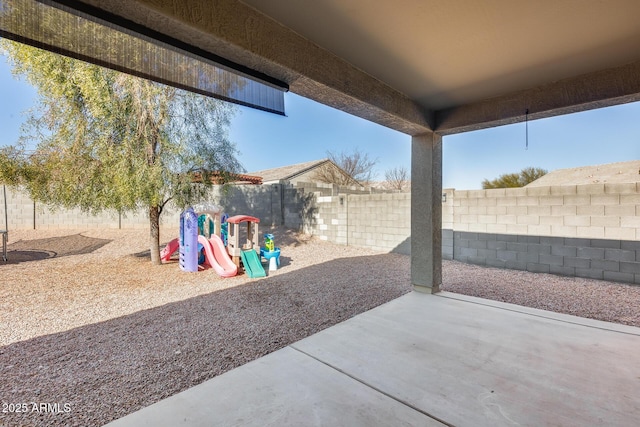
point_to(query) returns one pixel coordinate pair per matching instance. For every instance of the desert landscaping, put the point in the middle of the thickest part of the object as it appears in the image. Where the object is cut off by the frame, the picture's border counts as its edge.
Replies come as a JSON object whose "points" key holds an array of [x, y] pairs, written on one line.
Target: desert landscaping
{"points": [[86, 322]]}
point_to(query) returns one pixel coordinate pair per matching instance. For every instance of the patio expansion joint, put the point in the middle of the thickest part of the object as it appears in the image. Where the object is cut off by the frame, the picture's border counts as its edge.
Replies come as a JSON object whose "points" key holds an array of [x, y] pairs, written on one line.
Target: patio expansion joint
{"points": [[499, 306], [366, 384]]}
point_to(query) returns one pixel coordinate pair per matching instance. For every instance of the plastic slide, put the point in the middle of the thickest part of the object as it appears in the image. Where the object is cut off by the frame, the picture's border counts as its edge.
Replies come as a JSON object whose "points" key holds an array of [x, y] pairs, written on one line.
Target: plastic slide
{"points": [[172, 246], [215, 254], [252, 265]]}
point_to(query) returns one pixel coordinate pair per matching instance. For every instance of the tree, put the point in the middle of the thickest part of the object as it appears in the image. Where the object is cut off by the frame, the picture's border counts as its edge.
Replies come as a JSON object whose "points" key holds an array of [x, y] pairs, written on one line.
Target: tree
{"points": [[512, 180], [108, 140], [357, 166], [396, 179], [10, 165]]}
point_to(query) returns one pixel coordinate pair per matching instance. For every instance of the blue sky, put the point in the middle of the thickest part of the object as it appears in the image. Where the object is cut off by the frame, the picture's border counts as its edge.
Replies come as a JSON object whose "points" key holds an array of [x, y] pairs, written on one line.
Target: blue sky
{"points": [[311, 129]]}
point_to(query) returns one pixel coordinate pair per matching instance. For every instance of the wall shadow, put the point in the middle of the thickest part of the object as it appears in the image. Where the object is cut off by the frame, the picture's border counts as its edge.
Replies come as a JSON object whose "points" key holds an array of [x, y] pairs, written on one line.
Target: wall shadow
{"points": [[305, 205], [109, 369], [404, 248], [275, 205]]}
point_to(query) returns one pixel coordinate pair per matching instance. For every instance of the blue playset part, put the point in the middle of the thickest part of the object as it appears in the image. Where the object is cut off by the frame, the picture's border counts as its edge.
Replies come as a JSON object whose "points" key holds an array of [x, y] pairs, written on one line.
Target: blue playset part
{"points": [[189, 240], [224, 229], [270, 252], [202, 226]]}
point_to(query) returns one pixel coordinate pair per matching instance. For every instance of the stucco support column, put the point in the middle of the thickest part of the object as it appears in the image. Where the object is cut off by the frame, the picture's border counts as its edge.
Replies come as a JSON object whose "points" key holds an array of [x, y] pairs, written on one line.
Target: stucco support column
{"points": [[426, 212]]}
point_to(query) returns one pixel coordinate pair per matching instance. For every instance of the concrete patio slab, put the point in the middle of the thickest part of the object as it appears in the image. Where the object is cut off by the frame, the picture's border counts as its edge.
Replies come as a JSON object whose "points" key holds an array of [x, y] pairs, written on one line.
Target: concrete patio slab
{"points": [[284, 388], [428, 360], [478, 363]]}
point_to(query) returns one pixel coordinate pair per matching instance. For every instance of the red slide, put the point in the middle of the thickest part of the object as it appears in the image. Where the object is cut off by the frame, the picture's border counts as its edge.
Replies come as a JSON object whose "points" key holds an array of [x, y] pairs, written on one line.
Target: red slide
{"points": [[216, 256], [172, 246]]}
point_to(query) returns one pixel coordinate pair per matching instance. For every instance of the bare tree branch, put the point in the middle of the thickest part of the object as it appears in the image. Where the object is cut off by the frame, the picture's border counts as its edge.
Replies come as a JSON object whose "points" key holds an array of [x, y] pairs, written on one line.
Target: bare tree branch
{"points": [[355, 166], [397, 179]]}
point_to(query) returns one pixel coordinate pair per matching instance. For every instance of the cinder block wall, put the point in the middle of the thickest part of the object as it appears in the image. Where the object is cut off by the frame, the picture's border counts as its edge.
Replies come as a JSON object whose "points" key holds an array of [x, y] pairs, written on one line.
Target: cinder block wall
{"points": [[46, 218], [586, 230], [594, 211], [380, 221], [20, 211], [276, 204], [329, 220]]}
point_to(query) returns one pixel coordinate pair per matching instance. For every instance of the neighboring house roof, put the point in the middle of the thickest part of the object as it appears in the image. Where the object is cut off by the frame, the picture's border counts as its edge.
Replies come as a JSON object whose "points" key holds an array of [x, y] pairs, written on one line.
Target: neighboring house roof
{"points": [[618, 173], [235, 178], [241, 178], [290, 172]]}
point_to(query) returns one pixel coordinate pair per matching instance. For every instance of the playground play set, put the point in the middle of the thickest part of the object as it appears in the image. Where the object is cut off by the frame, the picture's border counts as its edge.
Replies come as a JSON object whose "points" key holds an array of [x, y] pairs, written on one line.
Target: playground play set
{"points": [[208, 238]]}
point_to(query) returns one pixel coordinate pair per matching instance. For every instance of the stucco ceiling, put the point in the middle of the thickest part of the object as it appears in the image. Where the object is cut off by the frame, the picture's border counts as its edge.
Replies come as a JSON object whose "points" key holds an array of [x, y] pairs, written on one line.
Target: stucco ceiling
{"points": [[448, 53], [416, 66]]}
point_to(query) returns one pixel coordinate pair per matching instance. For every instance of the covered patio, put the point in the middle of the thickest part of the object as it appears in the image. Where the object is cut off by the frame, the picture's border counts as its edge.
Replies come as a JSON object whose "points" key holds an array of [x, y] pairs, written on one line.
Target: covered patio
{"points": [[474, 363], [427, 69]]}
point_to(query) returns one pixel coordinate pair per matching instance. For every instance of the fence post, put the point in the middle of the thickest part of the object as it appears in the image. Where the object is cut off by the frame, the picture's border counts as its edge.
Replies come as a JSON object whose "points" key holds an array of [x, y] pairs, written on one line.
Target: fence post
{"points": [[6, 217]]}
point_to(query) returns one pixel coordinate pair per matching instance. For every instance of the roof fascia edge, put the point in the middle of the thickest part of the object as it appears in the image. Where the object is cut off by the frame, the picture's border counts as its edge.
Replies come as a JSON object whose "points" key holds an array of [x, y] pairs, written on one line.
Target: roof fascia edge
{"points": [[599, 89], [235, 31], [307, 169]]}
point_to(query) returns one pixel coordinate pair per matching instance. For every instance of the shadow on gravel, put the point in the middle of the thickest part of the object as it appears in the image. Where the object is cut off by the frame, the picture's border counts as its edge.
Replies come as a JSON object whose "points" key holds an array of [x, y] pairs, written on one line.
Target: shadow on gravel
{"points": [[53, 247], [109, 369], [16, 257]]}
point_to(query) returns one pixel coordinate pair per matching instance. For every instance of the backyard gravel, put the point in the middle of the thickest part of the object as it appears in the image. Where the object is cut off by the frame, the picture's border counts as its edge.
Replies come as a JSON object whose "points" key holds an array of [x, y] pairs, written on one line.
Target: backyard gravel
{"points": [[90, 331]]}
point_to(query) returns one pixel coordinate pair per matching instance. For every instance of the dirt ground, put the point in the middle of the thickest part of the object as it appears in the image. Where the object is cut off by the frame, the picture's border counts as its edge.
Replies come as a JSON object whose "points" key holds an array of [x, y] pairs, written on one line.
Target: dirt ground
{"points": [[89, 325], [87, 321]]}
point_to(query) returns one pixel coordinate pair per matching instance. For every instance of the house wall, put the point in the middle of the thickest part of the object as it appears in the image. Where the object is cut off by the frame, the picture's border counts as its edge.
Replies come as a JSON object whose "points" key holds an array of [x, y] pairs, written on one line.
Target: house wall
{"points": [[309, 176]]}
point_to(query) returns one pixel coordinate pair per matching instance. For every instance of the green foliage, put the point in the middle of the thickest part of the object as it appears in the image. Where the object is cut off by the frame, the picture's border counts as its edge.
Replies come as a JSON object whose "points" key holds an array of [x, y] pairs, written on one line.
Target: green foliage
{"points": [[512, 180], [11, 165], [107, 140]]}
